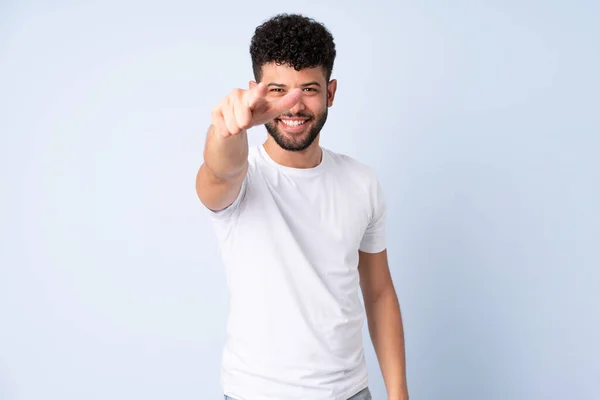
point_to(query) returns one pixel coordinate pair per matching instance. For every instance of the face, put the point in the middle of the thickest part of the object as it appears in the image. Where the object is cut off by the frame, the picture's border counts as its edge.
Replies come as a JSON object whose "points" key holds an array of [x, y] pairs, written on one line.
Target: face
{"points": [[297, 129]]}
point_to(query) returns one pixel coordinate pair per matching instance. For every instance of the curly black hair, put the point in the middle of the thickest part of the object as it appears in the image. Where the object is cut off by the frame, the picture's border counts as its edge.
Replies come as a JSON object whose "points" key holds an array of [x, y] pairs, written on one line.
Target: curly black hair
{"points": [[293, 40]]}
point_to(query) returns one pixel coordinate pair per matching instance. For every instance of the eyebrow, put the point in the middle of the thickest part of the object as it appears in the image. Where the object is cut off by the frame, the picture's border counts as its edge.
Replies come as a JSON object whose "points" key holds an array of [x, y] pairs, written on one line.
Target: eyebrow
{"points": [[280, 85], [313, 83]]}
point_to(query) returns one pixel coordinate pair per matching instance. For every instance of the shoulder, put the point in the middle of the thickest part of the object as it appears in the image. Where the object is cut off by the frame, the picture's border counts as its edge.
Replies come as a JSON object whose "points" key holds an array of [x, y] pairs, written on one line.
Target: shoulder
{"points": [[344, 164], [255, 161], [253, 155]]}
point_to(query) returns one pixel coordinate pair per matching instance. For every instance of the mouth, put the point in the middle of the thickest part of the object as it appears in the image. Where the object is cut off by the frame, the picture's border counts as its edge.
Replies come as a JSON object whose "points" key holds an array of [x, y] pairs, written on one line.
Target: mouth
{"points": [[293, 125]]}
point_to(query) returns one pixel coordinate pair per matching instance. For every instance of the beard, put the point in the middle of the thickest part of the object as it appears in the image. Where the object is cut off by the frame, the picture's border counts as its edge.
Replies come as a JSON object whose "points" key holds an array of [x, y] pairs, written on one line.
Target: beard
{"points": [[297, 141]]}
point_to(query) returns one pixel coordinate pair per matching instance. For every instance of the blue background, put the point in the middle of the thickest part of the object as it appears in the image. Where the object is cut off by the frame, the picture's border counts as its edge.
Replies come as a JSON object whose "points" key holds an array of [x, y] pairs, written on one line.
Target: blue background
{"points": [[481, 118]]}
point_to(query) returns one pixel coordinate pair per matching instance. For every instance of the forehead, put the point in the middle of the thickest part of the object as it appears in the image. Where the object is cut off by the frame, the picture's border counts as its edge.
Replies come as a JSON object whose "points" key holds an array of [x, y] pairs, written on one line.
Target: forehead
{"points": [[287, 75]]}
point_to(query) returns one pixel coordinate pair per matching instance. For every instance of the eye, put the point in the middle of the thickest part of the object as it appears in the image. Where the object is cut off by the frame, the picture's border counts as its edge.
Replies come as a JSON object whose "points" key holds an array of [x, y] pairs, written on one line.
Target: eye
{"points": [[277, 90], [310, 89]]}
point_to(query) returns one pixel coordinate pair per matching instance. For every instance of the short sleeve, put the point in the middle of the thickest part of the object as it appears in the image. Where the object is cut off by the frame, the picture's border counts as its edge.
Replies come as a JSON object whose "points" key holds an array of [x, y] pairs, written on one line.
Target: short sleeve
{"points": [[228, 211], [374, 238]]}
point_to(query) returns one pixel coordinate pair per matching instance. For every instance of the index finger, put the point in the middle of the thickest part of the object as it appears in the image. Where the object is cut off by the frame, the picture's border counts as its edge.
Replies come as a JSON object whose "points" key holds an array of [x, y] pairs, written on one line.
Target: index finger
{"points": [[276, 108]]}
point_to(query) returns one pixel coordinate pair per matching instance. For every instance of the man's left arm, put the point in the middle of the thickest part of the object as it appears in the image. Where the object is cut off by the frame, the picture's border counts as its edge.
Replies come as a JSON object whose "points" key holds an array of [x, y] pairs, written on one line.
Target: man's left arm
{"points": [[384, 321]]}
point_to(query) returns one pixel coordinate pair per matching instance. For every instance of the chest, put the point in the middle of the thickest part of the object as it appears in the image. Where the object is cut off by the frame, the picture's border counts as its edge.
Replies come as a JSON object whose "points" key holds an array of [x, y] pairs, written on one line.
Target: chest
{"points": [[327, 211]]}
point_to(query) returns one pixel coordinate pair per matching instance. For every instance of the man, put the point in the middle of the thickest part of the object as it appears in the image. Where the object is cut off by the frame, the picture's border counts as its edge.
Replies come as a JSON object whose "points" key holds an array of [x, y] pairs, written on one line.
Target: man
{"points": [[300, 229]]}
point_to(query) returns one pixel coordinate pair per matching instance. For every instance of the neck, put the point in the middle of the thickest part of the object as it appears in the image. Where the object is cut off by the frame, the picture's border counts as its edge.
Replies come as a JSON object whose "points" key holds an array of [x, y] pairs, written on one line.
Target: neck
{"points": [[307, 158]]}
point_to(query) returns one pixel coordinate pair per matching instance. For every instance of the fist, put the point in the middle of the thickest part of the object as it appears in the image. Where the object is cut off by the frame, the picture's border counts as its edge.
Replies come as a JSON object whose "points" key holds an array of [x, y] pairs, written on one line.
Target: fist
{"points": [[243, 109]]}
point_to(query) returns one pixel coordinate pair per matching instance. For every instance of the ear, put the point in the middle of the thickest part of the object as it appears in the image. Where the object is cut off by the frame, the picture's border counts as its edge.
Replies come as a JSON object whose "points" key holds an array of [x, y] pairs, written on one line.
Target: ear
{"points": [[331, 89], [252, 84]]}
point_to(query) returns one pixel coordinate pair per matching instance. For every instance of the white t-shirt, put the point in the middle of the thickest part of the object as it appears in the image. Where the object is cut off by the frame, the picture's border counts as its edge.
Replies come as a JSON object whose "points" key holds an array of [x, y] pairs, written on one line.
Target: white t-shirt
{"points": [[290, 245]]}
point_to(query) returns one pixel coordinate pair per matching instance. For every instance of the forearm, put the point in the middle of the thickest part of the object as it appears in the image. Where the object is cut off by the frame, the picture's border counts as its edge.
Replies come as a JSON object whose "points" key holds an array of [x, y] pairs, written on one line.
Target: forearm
{"points": [[387, 334], [226, 157]]}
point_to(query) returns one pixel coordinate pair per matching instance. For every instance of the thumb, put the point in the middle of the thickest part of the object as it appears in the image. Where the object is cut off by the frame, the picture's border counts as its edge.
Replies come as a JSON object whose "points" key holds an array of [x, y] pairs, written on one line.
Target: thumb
{"points": [[255, 95]]}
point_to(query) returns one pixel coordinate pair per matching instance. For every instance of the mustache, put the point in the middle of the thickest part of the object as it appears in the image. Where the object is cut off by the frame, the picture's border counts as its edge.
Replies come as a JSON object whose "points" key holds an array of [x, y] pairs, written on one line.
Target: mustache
{"points": [[297, 115]]}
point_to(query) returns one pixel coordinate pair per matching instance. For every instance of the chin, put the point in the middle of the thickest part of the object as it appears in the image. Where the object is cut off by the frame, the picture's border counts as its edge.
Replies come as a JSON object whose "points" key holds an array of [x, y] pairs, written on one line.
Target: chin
{"points": [[292, 141]]}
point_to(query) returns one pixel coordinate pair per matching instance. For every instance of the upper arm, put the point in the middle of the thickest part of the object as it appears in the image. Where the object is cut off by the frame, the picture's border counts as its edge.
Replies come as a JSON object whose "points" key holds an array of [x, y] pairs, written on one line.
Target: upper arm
{"points": [[374, 273], [215, 193]]}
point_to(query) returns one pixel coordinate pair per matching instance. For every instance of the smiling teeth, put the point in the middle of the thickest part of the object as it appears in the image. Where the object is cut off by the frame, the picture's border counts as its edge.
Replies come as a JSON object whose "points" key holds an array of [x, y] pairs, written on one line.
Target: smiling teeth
{"points": [[292, 123]]}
